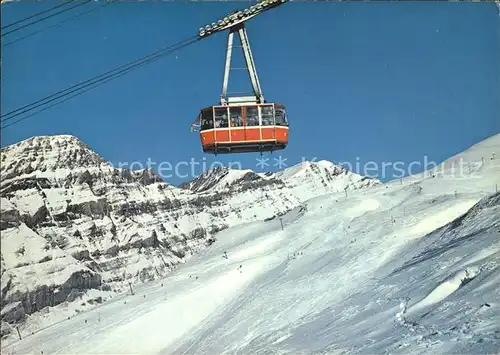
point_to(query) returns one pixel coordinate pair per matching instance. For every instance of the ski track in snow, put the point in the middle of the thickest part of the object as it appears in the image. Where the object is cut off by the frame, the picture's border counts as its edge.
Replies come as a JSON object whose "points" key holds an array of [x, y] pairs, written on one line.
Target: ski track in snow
{"points": [[379, 270]]}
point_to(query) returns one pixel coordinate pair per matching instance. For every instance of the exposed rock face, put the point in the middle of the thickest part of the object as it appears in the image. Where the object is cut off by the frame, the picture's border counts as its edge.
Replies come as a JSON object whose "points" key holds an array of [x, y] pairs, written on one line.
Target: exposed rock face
{"points": [[71, 222]]}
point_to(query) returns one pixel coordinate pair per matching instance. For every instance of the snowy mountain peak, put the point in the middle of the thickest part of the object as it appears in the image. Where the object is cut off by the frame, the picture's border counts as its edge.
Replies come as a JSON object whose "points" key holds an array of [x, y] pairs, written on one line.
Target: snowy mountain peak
{"points": [[322, 176], [47, 154], [327, 164], [310, 167], [478, 159], [305, 177], [221, 177]]}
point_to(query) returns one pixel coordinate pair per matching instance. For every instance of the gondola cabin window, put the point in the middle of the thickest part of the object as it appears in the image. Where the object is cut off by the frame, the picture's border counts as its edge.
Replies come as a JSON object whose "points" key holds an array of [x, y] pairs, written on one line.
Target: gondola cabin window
{"points": [[267, 115], [236, 116], [221, 117], [252, 116], [207, 119], [280, 116]]}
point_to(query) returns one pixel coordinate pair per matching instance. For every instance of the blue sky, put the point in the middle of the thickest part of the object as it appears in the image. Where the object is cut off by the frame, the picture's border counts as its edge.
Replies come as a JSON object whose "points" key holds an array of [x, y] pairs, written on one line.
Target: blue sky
{"points": [[380, 82]]}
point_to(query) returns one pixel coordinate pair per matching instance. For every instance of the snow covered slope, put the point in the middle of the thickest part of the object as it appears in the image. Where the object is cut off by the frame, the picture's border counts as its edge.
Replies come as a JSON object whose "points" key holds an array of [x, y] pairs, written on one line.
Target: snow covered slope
{"points": [[406, 267], [72, 223]]}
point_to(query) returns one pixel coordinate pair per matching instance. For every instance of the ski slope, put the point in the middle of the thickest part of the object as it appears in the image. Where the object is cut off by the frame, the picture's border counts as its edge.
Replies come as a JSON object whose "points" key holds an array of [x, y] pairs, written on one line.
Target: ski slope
{"points": [[410, 266]]}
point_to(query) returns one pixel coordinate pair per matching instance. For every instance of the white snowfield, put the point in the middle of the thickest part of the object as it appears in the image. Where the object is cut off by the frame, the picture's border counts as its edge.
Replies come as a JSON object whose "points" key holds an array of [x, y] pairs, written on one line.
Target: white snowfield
{"points": [[410, 266]]}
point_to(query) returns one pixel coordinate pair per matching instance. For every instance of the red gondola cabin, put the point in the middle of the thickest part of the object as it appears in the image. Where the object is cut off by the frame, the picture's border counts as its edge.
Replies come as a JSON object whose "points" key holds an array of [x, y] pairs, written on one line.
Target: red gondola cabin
{"points": [[243, 128]]}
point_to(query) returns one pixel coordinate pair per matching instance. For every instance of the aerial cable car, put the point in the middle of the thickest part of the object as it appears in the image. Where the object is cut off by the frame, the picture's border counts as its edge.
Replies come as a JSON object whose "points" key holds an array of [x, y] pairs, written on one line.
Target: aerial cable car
{"points": [[246, 123]]}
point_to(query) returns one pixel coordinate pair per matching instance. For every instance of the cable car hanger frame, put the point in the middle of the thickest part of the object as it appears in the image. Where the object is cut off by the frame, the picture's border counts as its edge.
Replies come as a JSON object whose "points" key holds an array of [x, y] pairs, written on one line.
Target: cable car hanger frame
{"points": [[250, 66]]}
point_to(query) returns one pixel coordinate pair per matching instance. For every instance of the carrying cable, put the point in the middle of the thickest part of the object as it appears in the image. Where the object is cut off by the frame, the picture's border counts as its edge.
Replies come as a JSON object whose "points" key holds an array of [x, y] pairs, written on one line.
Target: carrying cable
{"points": [[35, 15], [43, 18], [94, 82], [144, 60], [60, 23]]}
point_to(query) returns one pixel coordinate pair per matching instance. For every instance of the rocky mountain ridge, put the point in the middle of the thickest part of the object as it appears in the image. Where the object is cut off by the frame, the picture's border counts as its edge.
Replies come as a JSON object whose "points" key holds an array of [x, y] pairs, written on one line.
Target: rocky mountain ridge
{"points": [[70, 222]]}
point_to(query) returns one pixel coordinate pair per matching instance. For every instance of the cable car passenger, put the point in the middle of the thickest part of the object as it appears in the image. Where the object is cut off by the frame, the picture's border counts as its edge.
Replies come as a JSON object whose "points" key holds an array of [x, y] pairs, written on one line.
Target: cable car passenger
{"points": [[267, 116], [252, 116], [221, 119], [236, 119], [207, 120], [280, 117]]}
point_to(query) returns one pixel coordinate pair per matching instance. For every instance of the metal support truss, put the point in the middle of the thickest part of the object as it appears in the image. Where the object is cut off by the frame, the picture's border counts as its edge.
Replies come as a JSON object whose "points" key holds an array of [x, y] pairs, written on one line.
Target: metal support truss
{"points": [[250, 66]]}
